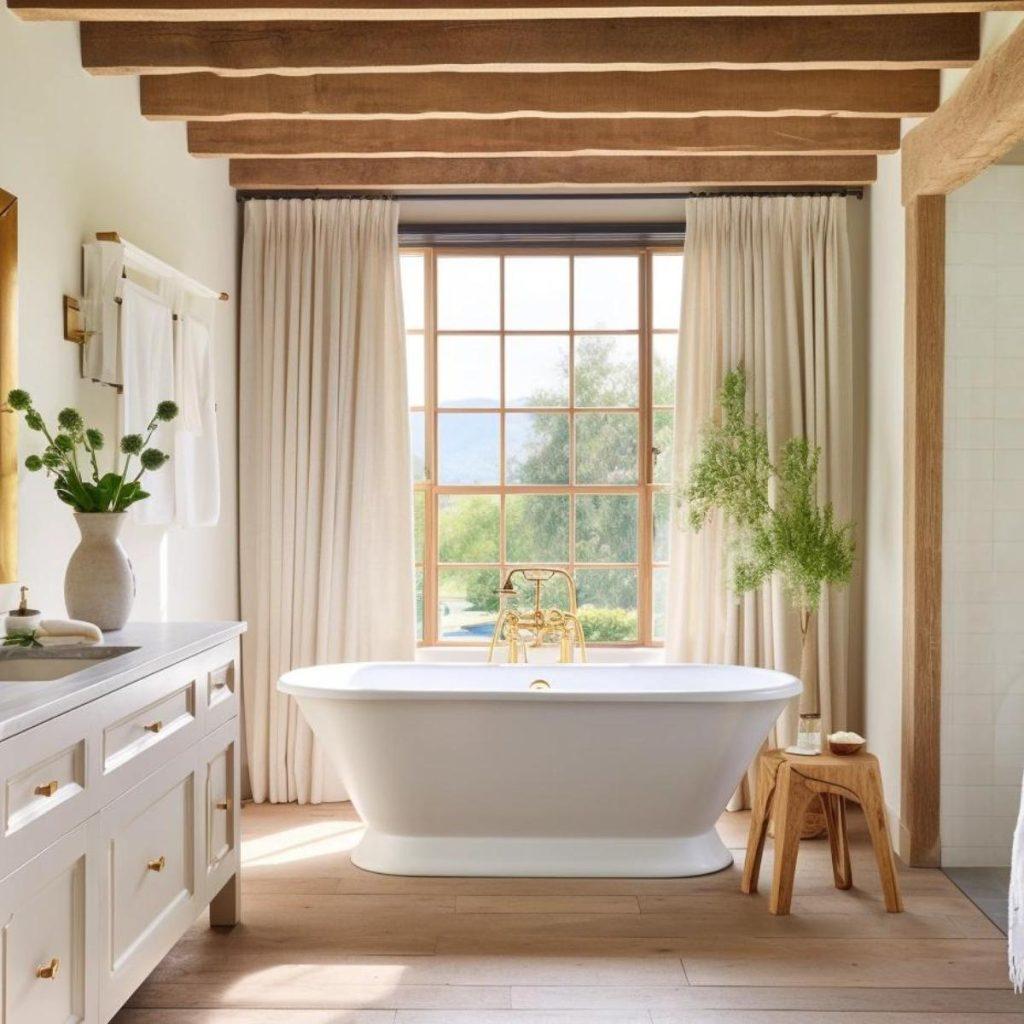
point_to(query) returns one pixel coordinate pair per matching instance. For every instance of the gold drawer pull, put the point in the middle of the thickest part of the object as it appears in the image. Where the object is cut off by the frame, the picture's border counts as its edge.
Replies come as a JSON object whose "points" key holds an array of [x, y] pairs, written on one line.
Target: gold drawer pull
{"points": [[157, 865], [48, 971], [222, 805], [47, 788], [154, 726]]}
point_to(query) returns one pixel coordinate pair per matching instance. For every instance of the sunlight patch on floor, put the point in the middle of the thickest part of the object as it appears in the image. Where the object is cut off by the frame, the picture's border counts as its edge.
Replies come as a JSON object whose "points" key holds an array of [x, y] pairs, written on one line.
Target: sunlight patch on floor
{"points": [[317, 839]]}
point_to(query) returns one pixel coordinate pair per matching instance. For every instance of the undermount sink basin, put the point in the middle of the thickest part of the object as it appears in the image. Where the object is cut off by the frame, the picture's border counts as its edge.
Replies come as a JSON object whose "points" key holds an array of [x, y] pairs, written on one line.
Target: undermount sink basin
{"points": [[33, 664]]}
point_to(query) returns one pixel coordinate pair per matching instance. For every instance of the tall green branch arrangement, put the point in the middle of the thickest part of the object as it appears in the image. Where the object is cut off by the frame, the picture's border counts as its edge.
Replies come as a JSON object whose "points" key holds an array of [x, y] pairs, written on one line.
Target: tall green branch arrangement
{"points": [[69, 456], [787, 532]]}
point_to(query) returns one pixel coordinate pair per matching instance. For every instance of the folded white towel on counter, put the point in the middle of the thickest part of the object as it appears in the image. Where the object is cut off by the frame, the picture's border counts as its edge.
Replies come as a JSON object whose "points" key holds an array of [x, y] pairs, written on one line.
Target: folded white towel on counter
{"points": [[68, 633]]}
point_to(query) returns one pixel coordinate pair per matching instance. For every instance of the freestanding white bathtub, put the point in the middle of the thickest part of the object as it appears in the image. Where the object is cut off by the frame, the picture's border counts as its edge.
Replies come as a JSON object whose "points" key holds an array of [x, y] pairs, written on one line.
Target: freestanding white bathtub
{"points": [[615, 770]]}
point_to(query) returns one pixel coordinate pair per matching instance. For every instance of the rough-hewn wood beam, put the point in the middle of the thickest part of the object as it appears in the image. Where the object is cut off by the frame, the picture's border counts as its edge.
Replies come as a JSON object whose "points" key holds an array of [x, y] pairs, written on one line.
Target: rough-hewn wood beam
{"points": [[641, 44], [446, 10], [569, 95], [979, 123], [425, 172], [528, 136]]}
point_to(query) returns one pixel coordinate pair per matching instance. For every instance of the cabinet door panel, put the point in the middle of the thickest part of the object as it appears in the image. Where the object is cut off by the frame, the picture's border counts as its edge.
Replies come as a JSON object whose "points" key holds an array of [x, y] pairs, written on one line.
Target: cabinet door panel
{"points": [[47, 906]]}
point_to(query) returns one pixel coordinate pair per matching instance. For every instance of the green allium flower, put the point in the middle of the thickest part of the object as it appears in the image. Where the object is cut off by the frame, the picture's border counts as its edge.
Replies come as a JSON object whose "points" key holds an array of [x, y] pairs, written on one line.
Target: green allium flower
{"points": [[153, 458], [70, 420], [51, 459], [64, 443], [166, 411], [33, 420], [33, 463], [18, 399], [95, 438], [131, 444]]}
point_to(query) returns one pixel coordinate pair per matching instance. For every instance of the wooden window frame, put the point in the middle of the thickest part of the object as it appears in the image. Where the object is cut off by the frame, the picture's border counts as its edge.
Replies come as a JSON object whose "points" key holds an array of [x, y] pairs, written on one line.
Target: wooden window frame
{"points": [[645, 489]]}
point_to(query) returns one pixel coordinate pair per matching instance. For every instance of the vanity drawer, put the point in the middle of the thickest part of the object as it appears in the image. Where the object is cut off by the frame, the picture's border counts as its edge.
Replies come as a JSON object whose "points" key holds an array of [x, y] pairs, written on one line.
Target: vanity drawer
{"points": [[45, 779], [149, 897], [46, 908], [221, 685], [147, 723]]}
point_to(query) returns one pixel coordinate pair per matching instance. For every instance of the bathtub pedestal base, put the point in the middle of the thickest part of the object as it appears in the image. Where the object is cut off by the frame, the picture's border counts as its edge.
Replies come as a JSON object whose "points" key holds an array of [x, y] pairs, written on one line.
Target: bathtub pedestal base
{"points": [[516, 857]]}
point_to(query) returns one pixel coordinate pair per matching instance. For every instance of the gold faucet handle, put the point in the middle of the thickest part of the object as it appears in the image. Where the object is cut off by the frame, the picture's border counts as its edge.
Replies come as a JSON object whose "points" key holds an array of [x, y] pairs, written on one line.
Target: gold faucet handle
{"points": [[49, 971]]}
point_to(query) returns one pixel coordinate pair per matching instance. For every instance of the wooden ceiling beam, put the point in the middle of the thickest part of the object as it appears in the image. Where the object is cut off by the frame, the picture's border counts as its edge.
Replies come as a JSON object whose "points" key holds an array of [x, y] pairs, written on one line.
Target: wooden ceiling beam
{"points": [[447, 10], [529, 136], [568, 95], [552, 172], [640, 44], [979, 123]]}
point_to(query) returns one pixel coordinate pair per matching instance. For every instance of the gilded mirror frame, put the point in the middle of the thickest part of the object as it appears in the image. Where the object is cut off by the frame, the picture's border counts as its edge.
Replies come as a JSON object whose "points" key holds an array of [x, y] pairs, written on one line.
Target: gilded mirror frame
{"points": [[8, 378]]}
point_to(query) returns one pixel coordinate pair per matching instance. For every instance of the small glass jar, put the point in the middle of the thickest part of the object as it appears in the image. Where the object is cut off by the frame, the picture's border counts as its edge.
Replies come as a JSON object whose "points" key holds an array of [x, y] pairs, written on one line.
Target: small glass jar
{"points": [[808, 736]]}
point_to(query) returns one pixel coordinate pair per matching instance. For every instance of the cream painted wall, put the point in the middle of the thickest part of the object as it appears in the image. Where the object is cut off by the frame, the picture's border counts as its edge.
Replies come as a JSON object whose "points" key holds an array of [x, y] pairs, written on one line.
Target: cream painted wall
{"points": [[80, 158]]}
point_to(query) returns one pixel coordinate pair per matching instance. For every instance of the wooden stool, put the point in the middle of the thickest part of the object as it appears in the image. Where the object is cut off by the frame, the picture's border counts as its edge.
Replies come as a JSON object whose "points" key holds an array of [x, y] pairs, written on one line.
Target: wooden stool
{"points": [[786, 785]]}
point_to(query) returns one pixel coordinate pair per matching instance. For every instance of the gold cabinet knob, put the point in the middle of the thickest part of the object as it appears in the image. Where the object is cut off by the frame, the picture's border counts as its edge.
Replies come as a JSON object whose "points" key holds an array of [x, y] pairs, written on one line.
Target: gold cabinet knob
{"points": [[540, 684], [47, 788], [48, 971], [157, 865], [222, 805], [154, 726]]}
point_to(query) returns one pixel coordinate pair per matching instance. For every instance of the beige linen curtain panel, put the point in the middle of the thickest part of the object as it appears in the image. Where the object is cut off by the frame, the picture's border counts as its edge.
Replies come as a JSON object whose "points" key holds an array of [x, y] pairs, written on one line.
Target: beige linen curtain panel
{"points": [[766, 284], [326, 509]]}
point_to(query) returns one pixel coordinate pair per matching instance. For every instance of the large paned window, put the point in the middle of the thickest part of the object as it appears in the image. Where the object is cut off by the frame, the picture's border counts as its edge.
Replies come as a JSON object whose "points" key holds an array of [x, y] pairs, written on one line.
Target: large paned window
{"points": [[541, 389]]}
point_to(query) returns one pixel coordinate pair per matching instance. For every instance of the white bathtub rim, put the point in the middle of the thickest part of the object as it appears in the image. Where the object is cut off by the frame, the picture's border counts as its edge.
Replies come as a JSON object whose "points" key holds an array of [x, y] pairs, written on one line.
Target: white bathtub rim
{"points": [[331, 682], [544, 857]]}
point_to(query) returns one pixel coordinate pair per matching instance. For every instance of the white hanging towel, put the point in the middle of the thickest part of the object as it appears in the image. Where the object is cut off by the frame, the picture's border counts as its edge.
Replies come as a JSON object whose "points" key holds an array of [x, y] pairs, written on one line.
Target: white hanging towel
{"points": [[1016, 904], [147, 359], [103, 266], [196, 462]]}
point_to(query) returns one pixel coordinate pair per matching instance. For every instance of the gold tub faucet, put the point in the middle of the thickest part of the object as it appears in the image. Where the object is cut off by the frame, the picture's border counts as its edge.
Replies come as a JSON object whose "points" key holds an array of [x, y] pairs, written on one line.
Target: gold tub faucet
{"points": [[516, 630]]}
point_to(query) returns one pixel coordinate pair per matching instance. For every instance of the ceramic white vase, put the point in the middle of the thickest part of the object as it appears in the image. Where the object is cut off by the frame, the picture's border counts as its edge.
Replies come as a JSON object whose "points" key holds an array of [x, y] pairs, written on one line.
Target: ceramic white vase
{"points": [[99, 585]]}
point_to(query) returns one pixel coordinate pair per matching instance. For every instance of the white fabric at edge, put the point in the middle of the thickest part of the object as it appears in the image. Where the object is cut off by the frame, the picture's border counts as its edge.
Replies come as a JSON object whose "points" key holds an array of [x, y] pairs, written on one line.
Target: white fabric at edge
{"points": [[1015, 906]]}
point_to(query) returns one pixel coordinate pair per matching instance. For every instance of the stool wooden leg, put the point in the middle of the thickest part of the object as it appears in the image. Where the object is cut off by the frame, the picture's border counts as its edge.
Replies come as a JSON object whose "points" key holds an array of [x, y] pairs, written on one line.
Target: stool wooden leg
{"points": [[873, 805], [759, 815], [835, 819], [792, 796]]}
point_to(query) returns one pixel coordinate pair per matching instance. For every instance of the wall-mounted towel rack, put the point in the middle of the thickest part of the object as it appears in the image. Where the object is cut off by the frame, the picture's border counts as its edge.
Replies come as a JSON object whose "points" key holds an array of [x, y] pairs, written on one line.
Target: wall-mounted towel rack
{"points": [[147, 263], [134, 258]]}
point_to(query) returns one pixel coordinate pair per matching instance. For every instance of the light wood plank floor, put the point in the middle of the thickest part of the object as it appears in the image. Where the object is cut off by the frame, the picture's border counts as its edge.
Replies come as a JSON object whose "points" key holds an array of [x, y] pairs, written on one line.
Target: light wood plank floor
{"points": [[325, 943]]}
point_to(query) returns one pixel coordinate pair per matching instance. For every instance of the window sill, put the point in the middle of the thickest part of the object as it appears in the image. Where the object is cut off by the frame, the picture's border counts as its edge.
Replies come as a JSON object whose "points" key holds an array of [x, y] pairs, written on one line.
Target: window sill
{"points": [[547, 656]]}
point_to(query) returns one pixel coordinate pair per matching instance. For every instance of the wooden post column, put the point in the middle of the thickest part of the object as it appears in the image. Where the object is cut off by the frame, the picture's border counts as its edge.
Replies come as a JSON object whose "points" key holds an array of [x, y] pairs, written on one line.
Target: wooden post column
{"points": [[924, 357]]}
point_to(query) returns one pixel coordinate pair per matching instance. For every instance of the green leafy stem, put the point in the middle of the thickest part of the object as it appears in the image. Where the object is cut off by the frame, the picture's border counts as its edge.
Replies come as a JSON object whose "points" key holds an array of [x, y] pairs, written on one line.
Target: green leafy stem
{"points": [[69, 456], [786, 532]]}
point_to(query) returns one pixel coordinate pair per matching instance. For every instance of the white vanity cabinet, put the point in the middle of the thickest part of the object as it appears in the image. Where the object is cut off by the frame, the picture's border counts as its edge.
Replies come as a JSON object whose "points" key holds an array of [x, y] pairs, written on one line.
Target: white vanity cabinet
{"points": [[120, 826]]}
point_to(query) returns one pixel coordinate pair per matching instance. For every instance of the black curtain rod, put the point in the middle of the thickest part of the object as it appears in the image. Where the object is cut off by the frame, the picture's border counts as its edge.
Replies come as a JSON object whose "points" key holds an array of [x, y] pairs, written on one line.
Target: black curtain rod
{"points": [[433, 197]]}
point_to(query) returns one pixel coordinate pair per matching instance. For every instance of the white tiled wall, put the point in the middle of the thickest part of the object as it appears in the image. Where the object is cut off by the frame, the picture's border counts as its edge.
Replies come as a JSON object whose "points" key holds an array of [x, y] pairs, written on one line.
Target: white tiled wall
{"points": [[983, 520]]}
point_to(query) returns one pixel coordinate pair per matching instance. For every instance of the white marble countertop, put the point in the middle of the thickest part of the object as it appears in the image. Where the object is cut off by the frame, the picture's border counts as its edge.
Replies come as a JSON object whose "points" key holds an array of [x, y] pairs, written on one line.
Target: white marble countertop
{"points": [[157, 645]]}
